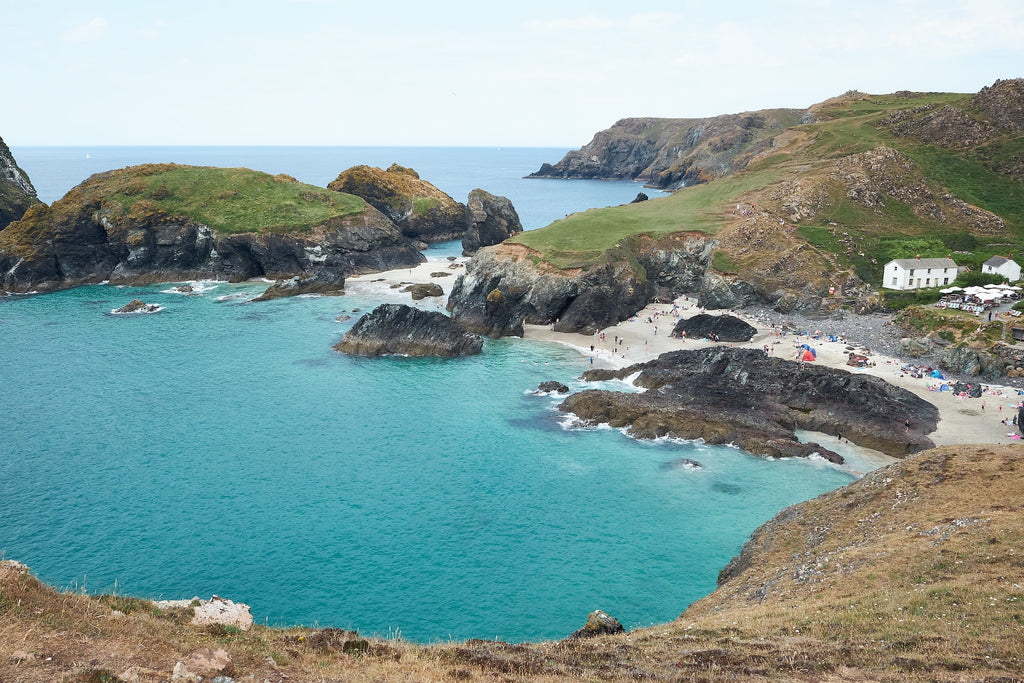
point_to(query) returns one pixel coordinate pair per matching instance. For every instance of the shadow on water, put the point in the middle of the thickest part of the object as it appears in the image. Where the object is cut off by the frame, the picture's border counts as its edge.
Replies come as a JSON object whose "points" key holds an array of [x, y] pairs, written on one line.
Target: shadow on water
{"points": [[731, 489]]}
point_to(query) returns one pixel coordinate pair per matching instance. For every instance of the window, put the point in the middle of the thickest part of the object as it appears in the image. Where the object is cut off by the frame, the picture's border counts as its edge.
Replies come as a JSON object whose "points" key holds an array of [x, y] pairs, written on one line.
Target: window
{"points": [[894, 281], [945, 280]]}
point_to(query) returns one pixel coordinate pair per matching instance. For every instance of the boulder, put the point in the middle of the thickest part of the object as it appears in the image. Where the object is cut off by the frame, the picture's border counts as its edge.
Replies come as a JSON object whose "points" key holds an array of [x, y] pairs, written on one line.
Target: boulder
{"points": [[404, 330], [137, 306], [490, 220], [915, 347], [323, 282], [202, 663], [640, 197], [598, 624], [418, 208], [740, 396], [725, 328], [963, 360], [552, 387], [212, 612], [423, 290]]}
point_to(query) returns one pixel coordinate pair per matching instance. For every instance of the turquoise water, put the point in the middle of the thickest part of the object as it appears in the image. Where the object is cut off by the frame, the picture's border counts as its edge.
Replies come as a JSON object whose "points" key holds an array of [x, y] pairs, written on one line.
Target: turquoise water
{"points": [[223, 447]]}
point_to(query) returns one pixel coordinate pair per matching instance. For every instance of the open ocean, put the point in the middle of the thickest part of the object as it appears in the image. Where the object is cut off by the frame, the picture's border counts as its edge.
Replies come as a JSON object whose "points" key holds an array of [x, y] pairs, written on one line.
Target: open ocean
{"points": [[221, 447]]}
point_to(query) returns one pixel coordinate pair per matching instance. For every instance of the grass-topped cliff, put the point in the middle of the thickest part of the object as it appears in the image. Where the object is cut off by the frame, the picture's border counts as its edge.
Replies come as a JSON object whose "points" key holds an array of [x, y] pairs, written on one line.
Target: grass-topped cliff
{"points": [[912, 573], [864, 178], [160, 222]]}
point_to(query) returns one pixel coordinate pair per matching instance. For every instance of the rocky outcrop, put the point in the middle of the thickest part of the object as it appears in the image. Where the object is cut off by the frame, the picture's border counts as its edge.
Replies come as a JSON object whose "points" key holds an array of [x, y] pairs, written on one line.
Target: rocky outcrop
{"points": [[671, 153], [137, 306], [422, 290], [404, 330], [127, 226], [599, 623], [215, 611], [743, 397], [725, 328], [16, 191], [964, 360], [322, 282], [417, 207], [504, 287], [490, 220]]}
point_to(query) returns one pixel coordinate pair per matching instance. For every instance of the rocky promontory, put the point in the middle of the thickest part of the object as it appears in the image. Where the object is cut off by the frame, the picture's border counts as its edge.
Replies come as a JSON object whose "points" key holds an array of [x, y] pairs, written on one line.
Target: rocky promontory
{"points": [[418, 208], [16, 190], [671, 153], [507, 285], [166, 222], [403, 330], [743, 397]]}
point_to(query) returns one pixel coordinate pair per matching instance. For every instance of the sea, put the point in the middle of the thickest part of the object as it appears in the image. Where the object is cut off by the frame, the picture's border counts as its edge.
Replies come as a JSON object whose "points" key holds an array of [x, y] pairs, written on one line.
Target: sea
{"points": [[222, 447]]}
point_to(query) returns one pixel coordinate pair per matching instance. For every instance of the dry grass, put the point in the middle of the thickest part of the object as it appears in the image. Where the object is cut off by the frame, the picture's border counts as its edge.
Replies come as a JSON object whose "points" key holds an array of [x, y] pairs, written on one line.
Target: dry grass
{"points": [[915, 572]]}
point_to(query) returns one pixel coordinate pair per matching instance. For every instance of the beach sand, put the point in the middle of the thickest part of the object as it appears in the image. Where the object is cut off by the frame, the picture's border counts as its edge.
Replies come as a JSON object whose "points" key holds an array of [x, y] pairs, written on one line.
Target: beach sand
{"points": [[962, 420]]}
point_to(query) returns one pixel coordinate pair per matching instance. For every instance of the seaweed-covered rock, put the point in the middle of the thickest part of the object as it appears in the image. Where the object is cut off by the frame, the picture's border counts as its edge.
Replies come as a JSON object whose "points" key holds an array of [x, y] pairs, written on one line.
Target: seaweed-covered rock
{"points": [[422, 290], [403, 330]]}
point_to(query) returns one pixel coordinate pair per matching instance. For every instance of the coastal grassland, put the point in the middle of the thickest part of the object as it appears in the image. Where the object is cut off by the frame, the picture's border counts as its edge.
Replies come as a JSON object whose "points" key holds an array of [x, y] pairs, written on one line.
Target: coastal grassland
{"points": [[228, 200], [911, 573], [581, 239], [233, 200]]}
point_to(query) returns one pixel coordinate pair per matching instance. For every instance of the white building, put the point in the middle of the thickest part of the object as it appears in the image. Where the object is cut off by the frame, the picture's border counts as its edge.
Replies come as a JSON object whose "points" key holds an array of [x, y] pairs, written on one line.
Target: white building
{"points": [[918, 273], [1002, 265]]}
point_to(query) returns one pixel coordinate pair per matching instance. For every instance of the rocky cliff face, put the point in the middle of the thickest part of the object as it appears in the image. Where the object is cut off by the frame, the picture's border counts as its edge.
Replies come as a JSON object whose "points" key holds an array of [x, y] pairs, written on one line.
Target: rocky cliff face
{"points": [[670, 153], [742, 396], [490, 220], [16, 191], [507, 285], [407, 331], [109, 228], [417, 207]]}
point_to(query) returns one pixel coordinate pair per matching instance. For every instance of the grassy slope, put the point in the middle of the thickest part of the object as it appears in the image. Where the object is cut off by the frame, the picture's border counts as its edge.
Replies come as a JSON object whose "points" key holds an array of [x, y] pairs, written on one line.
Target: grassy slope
{"points": [[228, 200], [851, 129], [912, 573]]}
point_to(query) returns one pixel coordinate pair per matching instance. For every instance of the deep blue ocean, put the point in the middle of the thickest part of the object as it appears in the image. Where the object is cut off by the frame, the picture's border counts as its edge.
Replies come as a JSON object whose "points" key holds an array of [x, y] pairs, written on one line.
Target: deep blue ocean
{"points": [[222, 447]]}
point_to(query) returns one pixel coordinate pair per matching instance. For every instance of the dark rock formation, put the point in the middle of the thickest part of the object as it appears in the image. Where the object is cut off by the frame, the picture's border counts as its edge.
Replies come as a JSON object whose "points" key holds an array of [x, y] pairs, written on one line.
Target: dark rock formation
{"points": [[490, 220], [16, 191], [671, 153], [417, 207], [404, 330], [423, 290], [598, 624], [552, 387], [683, 463], [90, 236], [137, 306], [640, 197], [741, 396], [323, 282], [503, 287], [963, 360], [725, 328]]}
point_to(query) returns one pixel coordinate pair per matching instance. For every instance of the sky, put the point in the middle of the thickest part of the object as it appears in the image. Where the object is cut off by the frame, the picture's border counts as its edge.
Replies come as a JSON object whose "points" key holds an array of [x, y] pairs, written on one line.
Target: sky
{"points": [[511, 73]]}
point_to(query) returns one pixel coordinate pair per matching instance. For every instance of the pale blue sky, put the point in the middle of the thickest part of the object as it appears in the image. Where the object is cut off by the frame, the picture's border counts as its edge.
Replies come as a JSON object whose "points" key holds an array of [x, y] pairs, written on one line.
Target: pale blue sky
{"points": [[511, 73]]}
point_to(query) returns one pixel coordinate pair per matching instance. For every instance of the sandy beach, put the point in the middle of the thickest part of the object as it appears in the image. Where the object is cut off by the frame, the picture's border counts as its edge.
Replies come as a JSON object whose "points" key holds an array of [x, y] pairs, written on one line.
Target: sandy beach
{"points": [[962, 420]]}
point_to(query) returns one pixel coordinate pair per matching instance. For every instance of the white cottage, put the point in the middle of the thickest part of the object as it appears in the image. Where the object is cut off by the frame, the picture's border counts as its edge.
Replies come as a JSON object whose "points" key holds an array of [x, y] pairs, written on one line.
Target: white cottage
{"points": [[918, 273], [1002, 265]]}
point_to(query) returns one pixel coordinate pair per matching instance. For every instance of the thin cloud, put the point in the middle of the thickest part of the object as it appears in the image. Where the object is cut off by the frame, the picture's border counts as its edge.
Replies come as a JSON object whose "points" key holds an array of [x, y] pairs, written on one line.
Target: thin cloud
{"points": [[94, 30]]}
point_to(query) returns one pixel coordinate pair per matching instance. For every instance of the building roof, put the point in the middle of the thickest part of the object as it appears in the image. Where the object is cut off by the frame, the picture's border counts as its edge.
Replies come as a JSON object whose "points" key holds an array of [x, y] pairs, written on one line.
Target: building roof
{"points": [[924, 262], [997, 261]]}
